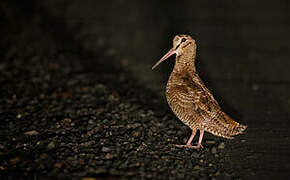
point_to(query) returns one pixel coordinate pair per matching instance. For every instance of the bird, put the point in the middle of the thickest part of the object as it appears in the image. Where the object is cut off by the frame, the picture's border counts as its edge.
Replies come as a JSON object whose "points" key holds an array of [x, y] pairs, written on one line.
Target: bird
{"points": [[190, 100]]}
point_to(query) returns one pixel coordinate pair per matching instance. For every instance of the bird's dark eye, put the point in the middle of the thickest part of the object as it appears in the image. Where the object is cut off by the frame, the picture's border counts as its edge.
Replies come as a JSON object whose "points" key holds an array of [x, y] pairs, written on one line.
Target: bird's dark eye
{"points": [[183, 40]]}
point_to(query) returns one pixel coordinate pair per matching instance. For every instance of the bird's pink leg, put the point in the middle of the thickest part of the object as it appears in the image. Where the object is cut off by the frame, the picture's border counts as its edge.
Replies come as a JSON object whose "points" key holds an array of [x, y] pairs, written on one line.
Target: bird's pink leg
{"points": [[201, 132], [188, 144]]}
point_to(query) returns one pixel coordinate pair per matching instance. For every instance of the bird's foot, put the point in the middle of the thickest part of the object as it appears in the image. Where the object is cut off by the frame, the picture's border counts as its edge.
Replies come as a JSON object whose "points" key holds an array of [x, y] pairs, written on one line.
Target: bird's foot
{"points": [[189, 146]]}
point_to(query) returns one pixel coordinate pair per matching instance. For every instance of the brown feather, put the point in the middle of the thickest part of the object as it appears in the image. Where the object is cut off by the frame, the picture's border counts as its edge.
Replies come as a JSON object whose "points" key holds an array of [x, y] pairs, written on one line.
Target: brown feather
{"points": [[193, 103]]}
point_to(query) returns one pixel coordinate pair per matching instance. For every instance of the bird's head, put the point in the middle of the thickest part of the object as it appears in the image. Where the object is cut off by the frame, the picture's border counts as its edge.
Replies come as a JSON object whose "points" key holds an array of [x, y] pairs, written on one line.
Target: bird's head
{"points": [[181, 43]]}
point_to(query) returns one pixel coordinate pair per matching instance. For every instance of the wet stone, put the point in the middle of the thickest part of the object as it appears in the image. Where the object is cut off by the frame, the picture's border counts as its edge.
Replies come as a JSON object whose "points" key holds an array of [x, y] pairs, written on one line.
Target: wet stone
{"points": [[210, 142], [195, 155], [15, 160], [135, 133], [217, 173], [51, 145], [2, 147], [221, 145], [213, 150], [197, 167], [92, 122], [106, 149], [108, 156], [89, 178], [31, 133], [58, 165]]}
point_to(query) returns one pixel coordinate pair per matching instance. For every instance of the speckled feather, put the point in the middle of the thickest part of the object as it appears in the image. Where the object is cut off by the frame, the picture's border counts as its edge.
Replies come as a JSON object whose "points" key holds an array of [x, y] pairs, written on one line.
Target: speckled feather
{"points": [[191, 101]]}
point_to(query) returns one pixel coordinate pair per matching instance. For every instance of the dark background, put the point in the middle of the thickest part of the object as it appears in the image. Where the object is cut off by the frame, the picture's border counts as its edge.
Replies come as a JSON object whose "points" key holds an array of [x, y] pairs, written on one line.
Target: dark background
{"points": [[78, 97]]}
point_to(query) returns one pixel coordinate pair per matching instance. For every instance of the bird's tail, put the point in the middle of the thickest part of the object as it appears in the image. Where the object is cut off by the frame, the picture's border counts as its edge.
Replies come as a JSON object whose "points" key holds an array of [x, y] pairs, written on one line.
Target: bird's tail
{"points": [[225, 126]]}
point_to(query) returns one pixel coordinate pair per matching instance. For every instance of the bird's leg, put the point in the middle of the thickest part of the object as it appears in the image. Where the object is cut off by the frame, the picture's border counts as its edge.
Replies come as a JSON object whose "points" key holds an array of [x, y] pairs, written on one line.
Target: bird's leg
{"points": [[188, 144], [191, 138], [201, 132]]}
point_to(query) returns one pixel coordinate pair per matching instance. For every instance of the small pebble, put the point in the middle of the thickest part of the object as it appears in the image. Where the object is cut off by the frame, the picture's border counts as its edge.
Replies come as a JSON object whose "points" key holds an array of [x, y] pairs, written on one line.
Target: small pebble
{"points": [[210, 142], [31, 133], [58, 165], [51, 145], [15, 160], [213, 150], [66, 120], [2, 147], [135, 133], [105, 149], [88, 178], [108, 156], [217, 173], [91, 121], [197, 167], [195, 154], [99, 171], [221, 145]]}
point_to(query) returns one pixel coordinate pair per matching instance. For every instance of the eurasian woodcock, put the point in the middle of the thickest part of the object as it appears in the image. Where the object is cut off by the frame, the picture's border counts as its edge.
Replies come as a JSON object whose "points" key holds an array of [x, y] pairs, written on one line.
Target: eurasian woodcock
{"points": [[190, 100]]}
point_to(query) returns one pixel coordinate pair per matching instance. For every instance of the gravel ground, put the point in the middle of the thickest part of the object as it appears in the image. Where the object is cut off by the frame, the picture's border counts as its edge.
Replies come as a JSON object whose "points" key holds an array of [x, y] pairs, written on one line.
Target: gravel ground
{"points": [[70, 110]]}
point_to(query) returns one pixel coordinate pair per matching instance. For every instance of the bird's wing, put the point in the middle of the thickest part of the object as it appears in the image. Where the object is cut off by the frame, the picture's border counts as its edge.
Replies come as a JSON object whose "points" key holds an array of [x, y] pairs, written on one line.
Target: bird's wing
{"points": [[193, 98], [196, 98], [199, 108]]}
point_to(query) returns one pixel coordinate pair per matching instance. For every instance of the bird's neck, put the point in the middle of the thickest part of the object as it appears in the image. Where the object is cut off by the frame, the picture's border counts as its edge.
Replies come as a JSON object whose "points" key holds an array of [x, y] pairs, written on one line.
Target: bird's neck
{"points": [[185, 62]]}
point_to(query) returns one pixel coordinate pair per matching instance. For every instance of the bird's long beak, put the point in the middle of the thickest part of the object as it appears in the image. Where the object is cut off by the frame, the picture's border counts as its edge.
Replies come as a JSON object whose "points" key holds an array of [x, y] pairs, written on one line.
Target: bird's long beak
{"points": [[167, 55]]}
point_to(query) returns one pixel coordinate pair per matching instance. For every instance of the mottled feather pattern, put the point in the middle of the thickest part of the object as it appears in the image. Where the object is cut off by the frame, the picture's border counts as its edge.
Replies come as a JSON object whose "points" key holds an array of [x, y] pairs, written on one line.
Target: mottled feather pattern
{"points": [[195, 106], [189, 98]]}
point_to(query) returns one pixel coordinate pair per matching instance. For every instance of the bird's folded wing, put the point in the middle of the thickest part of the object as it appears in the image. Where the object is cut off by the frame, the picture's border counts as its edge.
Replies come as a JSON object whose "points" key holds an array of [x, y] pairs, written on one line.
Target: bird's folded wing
{"points": [[196, 100]]}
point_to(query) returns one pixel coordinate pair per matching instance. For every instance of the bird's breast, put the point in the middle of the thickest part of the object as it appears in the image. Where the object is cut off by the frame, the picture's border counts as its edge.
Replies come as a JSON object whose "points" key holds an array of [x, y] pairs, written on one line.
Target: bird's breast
{"points": [[172, 94]]}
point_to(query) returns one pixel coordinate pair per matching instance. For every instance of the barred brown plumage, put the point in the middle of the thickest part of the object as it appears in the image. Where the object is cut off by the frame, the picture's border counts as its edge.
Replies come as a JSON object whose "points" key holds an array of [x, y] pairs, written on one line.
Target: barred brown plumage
{"points": [[189, 98]]}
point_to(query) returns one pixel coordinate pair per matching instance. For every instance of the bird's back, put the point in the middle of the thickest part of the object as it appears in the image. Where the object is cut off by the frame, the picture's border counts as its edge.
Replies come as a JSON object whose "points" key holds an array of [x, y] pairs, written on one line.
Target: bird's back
{"points": [[195, 106]]}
